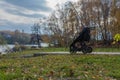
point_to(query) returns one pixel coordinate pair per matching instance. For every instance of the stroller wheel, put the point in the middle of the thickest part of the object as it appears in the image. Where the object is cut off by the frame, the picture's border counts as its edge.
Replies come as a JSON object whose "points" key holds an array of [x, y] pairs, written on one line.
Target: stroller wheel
{"points": [[86, 50], [89, 49], [73, 50]]}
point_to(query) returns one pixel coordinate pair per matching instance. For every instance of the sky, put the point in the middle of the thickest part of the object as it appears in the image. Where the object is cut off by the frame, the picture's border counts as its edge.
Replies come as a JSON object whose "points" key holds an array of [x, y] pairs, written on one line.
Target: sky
{"points": [[22, 14]]}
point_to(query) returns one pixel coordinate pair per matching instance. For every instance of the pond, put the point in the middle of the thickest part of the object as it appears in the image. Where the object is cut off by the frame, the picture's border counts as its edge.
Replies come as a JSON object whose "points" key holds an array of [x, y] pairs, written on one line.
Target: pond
{"points": [[3, 48]]}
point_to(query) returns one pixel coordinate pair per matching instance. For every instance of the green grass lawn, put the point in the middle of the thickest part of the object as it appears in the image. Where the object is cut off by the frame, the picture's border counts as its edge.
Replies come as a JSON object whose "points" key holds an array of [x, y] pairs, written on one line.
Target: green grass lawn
{"points": [[83, 67], [106, 49]]}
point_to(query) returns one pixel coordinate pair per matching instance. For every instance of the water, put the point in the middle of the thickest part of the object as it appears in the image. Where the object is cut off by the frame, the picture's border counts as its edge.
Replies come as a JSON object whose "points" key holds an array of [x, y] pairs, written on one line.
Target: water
{"points": [[3, 48]]}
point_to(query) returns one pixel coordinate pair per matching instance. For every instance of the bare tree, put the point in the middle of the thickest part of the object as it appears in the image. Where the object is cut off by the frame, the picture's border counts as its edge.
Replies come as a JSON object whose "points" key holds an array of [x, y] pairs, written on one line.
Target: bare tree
{"points": [[96, 13], [115, 17], [64, 24], [36, 34], [68, 20]]}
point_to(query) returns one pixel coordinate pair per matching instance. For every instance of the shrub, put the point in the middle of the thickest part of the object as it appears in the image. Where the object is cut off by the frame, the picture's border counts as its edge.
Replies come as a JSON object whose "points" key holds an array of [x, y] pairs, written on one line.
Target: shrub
{"points": [[117, 37]]}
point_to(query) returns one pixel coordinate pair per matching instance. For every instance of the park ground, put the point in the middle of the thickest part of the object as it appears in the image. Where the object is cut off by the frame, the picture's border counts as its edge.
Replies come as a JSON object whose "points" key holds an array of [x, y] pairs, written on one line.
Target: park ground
{"points": [[76, 66]]}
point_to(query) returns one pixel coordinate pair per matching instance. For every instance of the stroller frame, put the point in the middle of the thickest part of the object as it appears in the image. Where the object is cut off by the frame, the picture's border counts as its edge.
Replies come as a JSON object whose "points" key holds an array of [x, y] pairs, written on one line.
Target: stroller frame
{"points": [[79, 44]]}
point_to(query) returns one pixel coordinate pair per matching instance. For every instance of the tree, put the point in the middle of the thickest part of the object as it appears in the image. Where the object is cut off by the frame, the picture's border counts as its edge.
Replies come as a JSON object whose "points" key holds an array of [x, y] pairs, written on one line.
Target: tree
{"points": [[2, 40], [20, 37], [96, 13], [36, 34], [68, 19], [115, 17], [55, 29], [64, 23]]}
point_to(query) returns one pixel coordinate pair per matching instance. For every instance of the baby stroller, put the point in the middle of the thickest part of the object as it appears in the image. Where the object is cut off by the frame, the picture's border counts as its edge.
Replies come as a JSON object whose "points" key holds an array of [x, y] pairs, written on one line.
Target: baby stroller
{"points": [[79, 44]]}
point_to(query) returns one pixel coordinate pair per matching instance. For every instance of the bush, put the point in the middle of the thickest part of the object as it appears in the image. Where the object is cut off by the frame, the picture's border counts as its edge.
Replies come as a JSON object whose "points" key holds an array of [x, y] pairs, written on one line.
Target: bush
{"points": [[23, 47], [116, 41], [117, 37], [19, 48]]}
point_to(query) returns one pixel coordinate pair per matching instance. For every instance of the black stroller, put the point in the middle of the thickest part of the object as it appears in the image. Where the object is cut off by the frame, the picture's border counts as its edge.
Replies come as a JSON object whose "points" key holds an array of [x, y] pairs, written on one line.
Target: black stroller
{"points": [[79, 44]]}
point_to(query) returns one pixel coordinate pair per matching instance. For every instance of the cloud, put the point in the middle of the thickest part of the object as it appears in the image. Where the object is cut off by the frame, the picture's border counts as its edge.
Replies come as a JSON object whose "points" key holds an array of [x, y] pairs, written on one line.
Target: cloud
{"points": [[21, 14], [52, 3], [15, 18], [13, 27], [17, 14], [26, 13], [35, 5]]}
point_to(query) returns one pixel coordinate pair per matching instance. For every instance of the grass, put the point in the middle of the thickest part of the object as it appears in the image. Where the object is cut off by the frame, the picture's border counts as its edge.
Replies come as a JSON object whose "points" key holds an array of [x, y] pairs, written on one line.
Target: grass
{"points": [[91, 67], [82, 67], [106, 49]]}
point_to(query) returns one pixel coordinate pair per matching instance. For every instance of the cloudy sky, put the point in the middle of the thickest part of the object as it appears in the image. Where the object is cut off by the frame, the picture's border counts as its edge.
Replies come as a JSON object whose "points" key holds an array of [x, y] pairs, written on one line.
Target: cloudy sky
{"points": [[21, 14]]}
